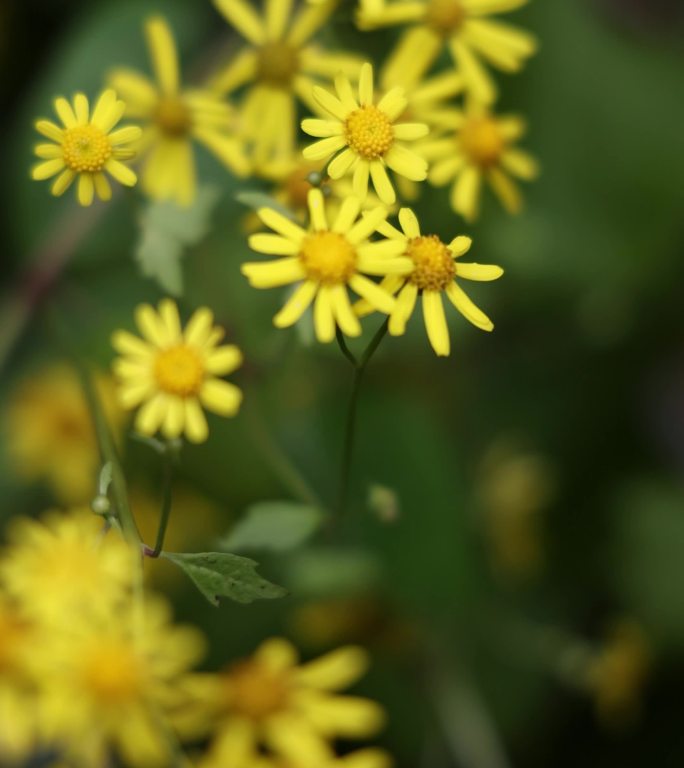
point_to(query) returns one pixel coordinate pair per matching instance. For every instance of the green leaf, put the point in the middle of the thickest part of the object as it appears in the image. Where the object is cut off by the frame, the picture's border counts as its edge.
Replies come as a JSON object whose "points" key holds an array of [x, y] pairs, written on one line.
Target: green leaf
{"points": [[167, 230], [219, 574], [274, 525], [257, 200]]}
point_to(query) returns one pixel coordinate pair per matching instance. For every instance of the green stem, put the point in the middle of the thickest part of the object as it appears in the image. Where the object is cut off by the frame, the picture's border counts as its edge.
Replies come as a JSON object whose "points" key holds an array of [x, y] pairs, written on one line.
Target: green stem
{"points": [[350, 428], [165, 510]]}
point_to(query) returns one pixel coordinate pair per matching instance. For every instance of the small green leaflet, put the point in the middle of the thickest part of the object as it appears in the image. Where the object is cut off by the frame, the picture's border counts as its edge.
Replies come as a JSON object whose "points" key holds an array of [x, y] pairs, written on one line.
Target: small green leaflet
{"points": [[273, 525], [167, 230], [219, 574]]}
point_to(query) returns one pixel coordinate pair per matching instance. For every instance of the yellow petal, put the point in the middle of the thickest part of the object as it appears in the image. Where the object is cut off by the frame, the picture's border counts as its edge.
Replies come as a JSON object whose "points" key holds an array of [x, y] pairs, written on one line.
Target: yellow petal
{"points": [[479, 272], [324, 320], [48, 169], [334, 671], [221, 397], [199, 327], [241, 15], [151, 414], [347, 321], [465, 193], [121, 173], [373, 293], [467, 308], [273, 245], [409, 223], [223, 360], [281, 224], [316, 203], [86, 189], [195, 422], [406, 302], [272, 274], [296, 305], [163, 53], [435, 322], [381, 183], [366, 85], [172, 426]]}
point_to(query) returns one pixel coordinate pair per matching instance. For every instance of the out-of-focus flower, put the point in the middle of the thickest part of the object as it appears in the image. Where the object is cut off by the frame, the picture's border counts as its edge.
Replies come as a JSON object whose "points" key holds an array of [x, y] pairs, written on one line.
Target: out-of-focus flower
{"points": [[324, 262], [50, 432], [618, 671], [280, 67], [86, 147], [119, 685], [435, 271], [175, 118], [171, 373], [461, 26], [65, 566], [364, 138], [271, 704], [481, 149], [223, 754]]}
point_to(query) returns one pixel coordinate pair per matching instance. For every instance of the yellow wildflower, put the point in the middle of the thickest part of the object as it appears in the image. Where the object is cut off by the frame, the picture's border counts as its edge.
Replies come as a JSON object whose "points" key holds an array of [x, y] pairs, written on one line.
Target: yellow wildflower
{"points": [[50, 432], [364, 137], [324, 262], [119, 686], [436, 271], [280, 66], [171, 373], [270, 704], [173, 119], [63, 566], [463, 27], [86, 147], [481, 148]]}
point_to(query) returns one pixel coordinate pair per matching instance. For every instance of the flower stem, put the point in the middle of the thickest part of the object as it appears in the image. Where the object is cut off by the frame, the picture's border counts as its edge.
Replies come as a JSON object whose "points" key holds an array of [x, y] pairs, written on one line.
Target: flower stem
{"points": [[350, 428], [166, 505]]}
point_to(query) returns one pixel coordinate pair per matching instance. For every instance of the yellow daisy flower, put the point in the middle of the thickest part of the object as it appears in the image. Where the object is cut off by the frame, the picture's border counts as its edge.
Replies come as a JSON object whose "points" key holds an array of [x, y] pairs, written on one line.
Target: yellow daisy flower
{"points": [[366, 136], [172, 372], [50, 435], [436, 271], [86, 147], [481, 148], [270, 704], [324, 262], [463, 27], [63, 566], [280, 66], [119, 686], [175, 118]]}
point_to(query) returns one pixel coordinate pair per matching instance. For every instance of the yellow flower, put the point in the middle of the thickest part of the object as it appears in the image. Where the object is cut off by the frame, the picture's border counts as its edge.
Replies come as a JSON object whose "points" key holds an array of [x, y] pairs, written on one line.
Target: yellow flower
{"points": [[118, 685], [280, 66], [172, 372], [481, 148], [436, 271], [173, 119], [64, 567], [324, 262], [50, 433], [367, 134], [270, 704], [224, 753], [86, 147], [461, 26]]}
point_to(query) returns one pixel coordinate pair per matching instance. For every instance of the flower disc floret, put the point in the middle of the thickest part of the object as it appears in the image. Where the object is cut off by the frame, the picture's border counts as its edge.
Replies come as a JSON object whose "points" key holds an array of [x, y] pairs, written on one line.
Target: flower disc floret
{"points": [[258, 691], [445, 16], [112, 672], [369, 132], [328, 257], [173, 117], [86, 148], [482, 141], [435, 267], [179, 371], [277, 63]]}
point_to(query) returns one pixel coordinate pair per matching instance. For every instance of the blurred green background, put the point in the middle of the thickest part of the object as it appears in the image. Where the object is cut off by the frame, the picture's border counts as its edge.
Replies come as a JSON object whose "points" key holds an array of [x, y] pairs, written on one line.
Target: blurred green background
{"points": [[537, 471]]}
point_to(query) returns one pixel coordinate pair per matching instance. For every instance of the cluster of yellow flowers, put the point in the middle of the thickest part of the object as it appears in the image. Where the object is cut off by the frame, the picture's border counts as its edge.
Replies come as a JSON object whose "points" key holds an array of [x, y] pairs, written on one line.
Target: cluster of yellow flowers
{"points": [[410, 125], [93, 667]]}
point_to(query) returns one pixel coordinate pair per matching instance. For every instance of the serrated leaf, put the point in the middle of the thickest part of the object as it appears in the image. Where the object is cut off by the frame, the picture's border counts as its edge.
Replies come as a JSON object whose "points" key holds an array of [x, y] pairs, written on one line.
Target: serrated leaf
{"points": [[274, 525], [167, 230], [257, 200], [219, 574]]}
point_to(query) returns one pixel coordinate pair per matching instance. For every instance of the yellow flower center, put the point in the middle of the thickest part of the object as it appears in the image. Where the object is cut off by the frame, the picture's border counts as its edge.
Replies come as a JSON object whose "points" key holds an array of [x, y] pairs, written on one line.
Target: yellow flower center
{"points": [[328, 257], [86, 148], [277, 63], [482, 141], [112, 673], [257, 691], [445, 16], [173, 117], [12, 635], [434, 264], [369, 132], [179, 371]]}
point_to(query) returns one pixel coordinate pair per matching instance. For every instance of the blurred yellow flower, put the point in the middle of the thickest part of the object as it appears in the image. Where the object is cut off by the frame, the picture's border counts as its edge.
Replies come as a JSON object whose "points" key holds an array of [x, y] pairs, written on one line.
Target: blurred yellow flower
{"points": [[119, 686], [171, 373], [269, 704], [64, 566], [86, 147], [50, 433], [173, 119], [461, 26], [436, 271], [280, 66], [481, 149], [364, 137], [324, 262]]}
